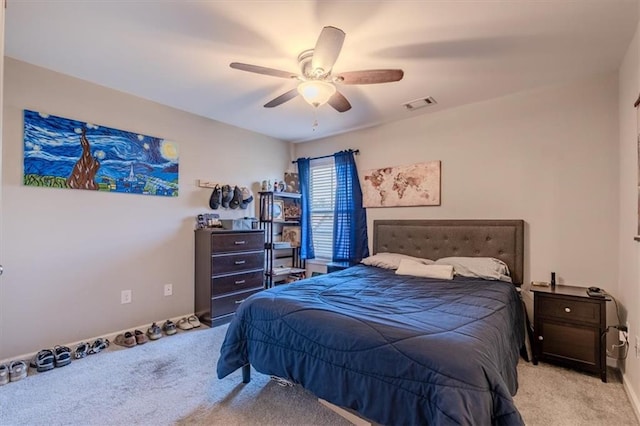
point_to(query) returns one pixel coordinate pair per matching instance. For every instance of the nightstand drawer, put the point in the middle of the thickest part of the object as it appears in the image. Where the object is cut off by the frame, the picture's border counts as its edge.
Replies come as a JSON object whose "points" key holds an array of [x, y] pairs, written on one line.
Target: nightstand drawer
{"points": [[239, 241], [234, 263], [568, 309], [570, 343]]}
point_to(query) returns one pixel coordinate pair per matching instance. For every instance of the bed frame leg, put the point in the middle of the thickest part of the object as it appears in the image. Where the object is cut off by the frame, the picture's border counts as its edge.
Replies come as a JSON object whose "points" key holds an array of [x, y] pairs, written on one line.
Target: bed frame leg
{"points": [[246, 373]]}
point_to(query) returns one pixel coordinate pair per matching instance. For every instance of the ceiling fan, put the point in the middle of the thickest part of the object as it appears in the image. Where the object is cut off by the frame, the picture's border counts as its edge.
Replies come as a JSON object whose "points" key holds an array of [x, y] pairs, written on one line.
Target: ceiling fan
{"points": [[317, 85]]}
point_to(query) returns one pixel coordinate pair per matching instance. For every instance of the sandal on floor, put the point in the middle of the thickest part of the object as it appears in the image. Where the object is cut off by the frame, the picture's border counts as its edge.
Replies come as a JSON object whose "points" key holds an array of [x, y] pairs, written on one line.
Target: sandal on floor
{"points": [[127, 340], [4, 374], [43, 361], [169, 328], [62, 356], [18, 370], [141, 339], [184, 324], [98, 346], [81, 351], [194, 321]]}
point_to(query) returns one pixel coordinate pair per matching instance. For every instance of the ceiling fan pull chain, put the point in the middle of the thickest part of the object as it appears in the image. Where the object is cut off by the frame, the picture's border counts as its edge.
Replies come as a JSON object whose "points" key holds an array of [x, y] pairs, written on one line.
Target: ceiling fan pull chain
{"points": [[315, 120]]}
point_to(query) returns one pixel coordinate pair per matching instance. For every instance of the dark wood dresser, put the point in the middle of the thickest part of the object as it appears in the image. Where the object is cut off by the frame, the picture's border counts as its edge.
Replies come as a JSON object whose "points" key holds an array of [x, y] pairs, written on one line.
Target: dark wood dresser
{"points": [[229, 268], [569, 328]]}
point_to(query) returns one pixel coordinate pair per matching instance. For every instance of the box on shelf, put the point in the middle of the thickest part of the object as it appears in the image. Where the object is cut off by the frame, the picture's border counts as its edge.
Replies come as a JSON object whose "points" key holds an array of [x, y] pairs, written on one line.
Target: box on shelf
{"points": [[239, 224]]}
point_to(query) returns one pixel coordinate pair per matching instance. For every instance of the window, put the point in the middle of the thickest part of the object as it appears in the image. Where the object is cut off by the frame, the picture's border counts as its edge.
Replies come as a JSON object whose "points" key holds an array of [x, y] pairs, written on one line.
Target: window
{"points": [[322, 201]]}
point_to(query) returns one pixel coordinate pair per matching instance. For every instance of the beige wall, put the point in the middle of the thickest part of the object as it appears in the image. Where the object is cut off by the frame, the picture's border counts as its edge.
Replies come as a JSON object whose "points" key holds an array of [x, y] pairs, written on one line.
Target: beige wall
{"points": [[629, 259], [547, 156], [68, 253]]}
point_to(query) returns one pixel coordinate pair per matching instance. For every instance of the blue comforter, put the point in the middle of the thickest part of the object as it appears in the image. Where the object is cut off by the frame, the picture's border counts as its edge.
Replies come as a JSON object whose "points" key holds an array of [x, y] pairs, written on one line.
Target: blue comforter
{"points": [[398, 349]]}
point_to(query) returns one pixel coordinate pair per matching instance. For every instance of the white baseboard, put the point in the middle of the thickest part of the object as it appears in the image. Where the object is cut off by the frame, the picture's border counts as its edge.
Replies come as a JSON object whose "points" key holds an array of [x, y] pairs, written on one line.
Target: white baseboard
{"points": [[111, 336], [633, 398]]}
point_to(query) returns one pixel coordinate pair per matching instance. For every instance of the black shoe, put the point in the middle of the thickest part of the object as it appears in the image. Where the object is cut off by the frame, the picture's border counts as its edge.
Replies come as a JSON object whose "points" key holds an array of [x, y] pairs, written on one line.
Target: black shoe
{"points": [[216, 198]]}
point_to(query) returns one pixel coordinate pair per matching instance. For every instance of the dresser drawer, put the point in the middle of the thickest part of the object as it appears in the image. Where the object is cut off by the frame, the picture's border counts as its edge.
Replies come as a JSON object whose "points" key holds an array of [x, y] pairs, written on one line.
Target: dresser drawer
{"points": [[228, 304], [237, 282], [568, 309], [234, 263], [240, 241]]}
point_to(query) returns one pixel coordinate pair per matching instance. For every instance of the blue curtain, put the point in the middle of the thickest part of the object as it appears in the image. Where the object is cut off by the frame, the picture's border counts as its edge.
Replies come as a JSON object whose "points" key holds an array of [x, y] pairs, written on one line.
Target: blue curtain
{"points": [[306, 234], [350, 242]]}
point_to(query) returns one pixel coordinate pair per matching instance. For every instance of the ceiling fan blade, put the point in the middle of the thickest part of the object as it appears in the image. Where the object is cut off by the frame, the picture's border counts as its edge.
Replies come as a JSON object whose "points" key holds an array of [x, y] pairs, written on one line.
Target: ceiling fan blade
{"points": [[339, 102], [262, 70], [369, 76], [287, 96], [327, 50]]}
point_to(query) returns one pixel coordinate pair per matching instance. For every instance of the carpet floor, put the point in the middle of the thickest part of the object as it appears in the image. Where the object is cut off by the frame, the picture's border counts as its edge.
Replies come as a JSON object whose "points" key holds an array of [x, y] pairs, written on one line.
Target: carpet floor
{"points": [[172, 381]]}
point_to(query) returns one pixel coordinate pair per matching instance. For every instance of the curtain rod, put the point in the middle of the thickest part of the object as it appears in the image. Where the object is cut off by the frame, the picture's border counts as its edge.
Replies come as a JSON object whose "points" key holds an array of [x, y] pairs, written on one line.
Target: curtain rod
{"points": [[355, 151]]}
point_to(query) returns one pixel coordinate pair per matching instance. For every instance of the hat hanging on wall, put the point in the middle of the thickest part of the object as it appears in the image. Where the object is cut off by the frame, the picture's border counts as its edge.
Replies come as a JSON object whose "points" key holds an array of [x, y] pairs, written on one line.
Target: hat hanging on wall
{"points": [[247, 197], [216, 198]]}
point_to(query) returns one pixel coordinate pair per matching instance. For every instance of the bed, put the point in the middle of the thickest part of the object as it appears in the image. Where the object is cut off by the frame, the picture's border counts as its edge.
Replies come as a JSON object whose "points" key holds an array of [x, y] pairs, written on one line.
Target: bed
{"points": [[397, 349]]}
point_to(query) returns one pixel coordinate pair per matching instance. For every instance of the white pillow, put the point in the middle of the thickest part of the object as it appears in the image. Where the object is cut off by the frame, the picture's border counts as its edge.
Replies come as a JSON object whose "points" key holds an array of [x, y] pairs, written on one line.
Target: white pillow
{"points": [[417, 269], [391, 260], [487, 268]]}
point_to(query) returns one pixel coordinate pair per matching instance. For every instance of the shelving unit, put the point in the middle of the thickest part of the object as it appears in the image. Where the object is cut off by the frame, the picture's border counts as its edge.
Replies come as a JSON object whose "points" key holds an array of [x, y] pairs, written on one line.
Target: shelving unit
{"points": [[279, 215]]}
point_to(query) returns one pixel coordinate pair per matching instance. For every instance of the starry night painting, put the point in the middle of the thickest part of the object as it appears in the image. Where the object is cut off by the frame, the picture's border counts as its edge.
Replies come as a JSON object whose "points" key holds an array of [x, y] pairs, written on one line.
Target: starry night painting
{"points": [[64, 153]]}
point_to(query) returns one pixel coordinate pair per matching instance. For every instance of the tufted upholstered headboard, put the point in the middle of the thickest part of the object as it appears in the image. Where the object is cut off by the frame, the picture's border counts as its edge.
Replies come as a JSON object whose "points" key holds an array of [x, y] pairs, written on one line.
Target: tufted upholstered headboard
{"points": [[434, 239]]}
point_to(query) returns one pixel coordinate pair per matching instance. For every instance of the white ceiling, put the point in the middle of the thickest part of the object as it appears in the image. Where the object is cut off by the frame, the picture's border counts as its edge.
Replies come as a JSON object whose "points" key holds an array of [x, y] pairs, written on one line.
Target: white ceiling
{"points": [[177, 52]]}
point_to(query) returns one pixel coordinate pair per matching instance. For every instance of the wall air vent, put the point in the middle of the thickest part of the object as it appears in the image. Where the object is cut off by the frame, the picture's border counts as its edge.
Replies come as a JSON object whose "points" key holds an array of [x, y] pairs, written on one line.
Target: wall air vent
{"points": [[419, 103]]}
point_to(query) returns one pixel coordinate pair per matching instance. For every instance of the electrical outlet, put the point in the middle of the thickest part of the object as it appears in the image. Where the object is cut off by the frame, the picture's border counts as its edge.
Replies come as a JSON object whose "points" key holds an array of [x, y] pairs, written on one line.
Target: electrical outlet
{"points": [[125, 296], [168, 289]]}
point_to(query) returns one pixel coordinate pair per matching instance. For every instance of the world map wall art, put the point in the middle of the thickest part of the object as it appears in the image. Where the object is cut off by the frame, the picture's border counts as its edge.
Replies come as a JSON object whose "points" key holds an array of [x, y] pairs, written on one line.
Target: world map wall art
{"points": [[64, 153], [414, 185]]}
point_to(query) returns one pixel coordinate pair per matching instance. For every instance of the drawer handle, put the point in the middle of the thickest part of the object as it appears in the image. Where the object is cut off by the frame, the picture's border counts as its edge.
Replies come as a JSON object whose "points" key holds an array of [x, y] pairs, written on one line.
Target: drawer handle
{"points": [[240, 262], [540, 338], [240, 301], [238, 243], [241, 281], [567, 310]]}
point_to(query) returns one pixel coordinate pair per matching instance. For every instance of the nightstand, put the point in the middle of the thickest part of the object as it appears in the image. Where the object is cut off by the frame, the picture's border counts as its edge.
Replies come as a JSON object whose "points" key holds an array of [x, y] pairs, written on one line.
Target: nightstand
{"points": [[569, 328], [339, 266]]}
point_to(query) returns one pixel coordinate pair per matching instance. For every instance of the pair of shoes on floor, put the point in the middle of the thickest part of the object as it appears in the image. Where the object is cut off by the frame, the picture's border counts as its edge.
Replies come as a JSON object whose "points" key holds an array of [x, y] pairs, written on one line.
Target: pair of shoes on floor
{"points": [[47, 359], [169, 328], [154, 332], [97, 346], [130, 339], [13, 372], [188, 323]]}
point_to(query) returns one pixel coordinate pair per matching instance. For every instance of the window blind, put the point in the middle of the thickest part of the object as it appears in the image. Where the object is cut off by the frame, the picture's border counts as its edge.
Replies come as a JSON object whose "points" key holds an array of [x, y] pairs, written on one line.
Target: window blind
{"points": [[322, 200]]}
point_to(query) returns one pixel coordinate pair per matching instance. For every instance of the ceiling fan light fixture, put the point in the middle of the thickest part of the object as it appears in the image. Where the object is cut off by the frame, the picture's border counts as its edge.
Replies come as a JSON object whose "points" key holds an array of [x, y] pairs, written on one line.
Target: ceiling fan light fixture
{"points": [[316, 92]]}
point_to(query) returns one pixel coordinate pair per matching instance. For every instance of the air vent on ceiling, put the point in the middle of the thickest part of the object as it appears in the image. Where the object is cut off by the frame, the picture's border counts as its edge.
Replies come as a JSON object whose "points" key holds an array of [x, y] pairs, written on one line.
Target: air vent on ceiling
{"points": [[419, 103]]}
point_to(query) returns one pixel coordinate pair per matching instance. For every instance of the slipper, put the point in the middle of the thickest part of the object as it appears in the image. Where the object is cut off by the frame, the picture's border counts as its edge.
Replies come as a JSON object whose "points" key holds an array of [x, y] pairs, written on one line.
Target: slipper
{"points": [[154, 332], [98, 346], [4, 374], [183, 324], [17, 370], [81, 351], [216, 198], [141, 339], [169, 327], [127, 340], [194, 321], [43, 361], [62, 356]]}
